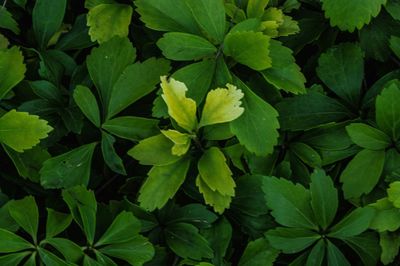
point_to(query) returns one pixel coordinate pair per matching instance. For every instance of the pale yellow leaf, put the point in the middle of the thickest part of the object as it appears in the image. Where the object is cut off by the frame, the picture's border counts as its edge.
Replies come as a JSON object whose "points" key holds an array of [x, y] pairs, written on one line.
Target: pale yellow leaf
{"points": [[181, 141]]}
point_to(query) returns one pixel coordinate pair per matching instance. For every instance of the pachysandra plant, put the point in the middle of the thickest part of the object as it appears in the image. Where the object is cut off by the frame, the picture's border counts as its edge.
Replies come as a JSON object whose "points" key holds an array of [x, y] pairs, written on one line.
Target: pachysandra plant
{"points": [[171, 152]]}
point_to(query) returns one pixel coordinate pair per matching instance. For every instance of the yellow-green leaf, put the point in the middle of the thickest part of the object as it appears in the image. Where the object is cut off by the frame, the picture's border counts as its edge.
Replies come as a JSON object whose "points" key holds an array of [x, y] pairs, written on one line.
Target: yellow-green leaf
{"points": [[12, 69], [180, 108], [181, 141], [22, 131], [218, 201], [222, 105]]}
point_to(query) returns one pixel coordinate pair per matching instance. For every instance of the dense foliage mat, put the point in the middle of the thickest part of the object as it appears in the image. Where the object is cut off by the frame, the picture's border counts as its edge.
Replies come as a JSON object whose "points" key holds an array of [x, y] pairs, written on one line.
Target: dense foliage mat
{"points": [[199, 132]]}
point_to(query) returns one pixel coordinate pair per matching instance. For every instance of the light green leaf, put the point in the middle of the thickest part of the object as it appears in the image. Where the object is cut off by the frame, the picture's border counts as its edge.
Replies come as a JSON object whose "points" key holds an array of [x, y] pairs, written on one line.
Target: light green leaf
{"points": [[87, 102], [186, 241], [167, 15], [107, 62], [259, 253], [21, 131], [257, 127], [135, 82], [124, 228], [218, 201], [7, 21], [11, 242], [210, 17], [390, 245], [185, 47], [394, 193], [45, 28], [136, 252], [83, 206], [341, 68], [163, 181], [180, 108], [353, 224], [57, 222], [284, 74], [291, 240], [348, 15], [324, 198], [12, 69], [249, 48], [368, 137], [181, 141], [100, 16], [362, 173], [25, 212], [387, 217], [132, 127], [255, 8], [69, 169], [215, 172], [290, 203], [388, 111], [222, 105], [156, 150]]}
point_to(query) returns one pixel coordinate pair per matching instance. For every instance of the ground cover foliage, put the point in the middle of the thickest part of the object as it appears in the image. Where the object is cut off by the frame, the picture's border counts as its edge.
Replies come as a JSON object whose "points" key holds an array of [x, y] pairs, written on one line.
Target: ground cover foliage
{"points": [[199, 132]]}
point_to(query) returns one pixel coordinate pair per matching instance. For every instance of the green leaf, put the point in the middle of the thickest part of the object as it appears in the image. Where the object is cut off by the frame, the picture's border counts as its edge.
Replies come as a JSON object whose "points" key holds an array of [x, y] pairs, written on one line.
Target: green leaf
{"points": [[393, 8], [110, 156], [156, 150], [49, 258], [136, 251], [71, 251], [69, 169], [335, 257], [135, 82], [341, 68], [255, 8], [310, 110], [394, 193], [368, 137], [348, 15], [185, 47], [21, 131], [284, 73], [107, 62], [25, 212], [124, 228], [388, 111], [218, 201], [99, 17], [317, 254], [353, 224], [10, 242], [181, 141], [249, 48], [219, 237], [366, 246], [215, 172], [258, 253], [56, 223], [390, 244], [306, 153], [77, 38], [291, 240], [87, 102], [7, 21], [13, 258], [12, 69], [258, 121], [324, 198], [197, 78], [180, 108], [131, 127], [184, 239], [45, 28], [290, 203], [167, 15], [387, 217], [222, 105], [83, 206], [163, 181], [362, 173], [394, 44], [196, 214], [210, 17]]}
